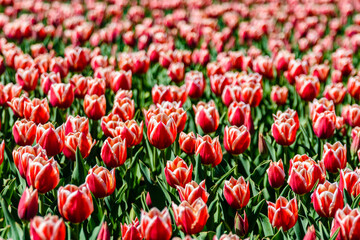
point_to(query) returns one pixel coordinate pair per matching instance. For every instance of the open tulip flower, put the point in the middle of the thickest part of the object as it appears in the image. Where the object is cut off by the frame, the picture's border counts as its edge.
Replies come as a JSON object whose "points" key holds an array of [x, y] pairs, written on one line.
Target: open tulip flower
{"points": [[347, 220], [237, 192], [192, 191], [177, 172], [283, 213], [100, 181], [156, 225], [48, 227]]}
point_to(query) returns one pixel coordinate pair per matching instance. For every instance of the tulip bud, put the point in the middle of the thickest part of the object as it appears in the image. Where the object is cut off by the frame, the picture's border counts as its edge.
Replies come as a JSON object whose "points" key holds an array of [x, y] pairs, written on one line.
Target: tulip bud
{"points": [[321, 71], [176, 71], [195, 84], [177, 172], [131, 231], [264, 66], [101, 182], [310, 234], [237, 192], [241, 225], [334, 157], [113, 152], [161, 131], [77, 58], [324, 124], [27, 78], [148, 200], [262, 147], [48, 227], [28, 204], [283, 213], [209, 150], [320, 106], [353, 87], [308, 87], [24, 132], [193, 191], [95, 106], [171, 93], [156, 225], [276, 174], [130, 131], [236, 139], [125, 108], [251, 93], [104, 233], [80, 84], [218, 82], [187, 142], [51, 139], [327, 199], [279, 94], [59, 65], [207, 116]]}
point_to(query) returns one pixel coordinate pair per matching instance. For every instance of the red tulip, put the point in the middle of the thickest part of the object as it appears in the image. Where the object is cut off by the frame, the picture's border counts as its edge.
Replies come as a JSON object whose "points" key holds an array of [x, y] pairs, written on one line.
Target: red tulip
{"points": [[349, 180], [104, 233], [192, 191], [24, 132], [23, 155], [37, 110], [50, 138], [156, 225], [284, 131], [176, 112], [161, 131], [353, 87], [27, 78], [348, 221], [209, 150], [239, 114], [113, 152], [191, 218], [308, 87], [80, 84], [17, 105], [109, 124], [96, 86], [296, 68], [251, 93], [195, 84], [77, 58], [131, 231], [99, 61], [61, 95], [218, 83], [2, 151], [351, 115], [76, 140], [28, 204], [75, 203], [334, 157], [42, 174], [310, 234], [283, 213], [276, 174], [48, 227], [231, 93], [130, 131], [282, 59], [320, 106], [95, 106], [236, 139], [335, 92], [207, 116], [125, 108], [241, 225], [176, 71], [264, 66], [48, 79], [321, 71], [76, 124], [279, 95], [101, 182], [59, 65], [324, 124], [187, 142], [120, 80], [161, 93], [9, 92], [237, 192], [327, 199], [177, 172]]}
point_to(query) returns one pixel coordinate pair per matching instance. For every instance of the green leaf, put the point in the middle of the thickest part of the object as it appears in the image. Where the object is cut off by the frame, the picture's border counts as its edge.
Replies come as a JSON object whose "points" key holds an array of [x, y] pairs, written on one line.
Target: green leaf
{"points": [[78, 176], [259, 172], [299, 229], [267, 228], [333, 237], [216, 186], [271, 149], [96, 230], [145, 171], [356, 202], [9, 220], [279, 235]]}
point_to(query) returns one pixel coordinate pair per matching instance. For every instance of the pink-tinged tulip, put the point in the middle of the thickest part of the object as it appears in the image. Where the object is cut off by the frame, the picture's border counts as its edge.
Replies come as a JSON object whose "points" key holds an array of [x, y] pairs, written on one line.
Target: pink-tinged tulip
{"points": [[336, 76], [161, 131], [80, 84], [156, 225], [48, 79], [282, 59], [241, 225], [95, 106], [191, 218], [207, 116], [355, 135], [237, 192], [96, 86], [130, 131], [76, 140], [120, 80], [2, 151], [236, 139], [75, 203], [17, 105], [61, 95], [113, 152], [283, 213], [308, 87], [161, 93], [200, 56], [28, 204], [279, 94], [104, 233], [192, 191], [50, 138], [239, 114], [101, 182], [320, 106], [264, 66], [187, 142], [349, 180], [24, 132], [289, 113], [131, 231], [37, 110], [43, 174], [9, 92], [209, 150], [229, 236], [251, 93], [348, 221], [335, 92], [310, 234], [351, 115], [218, 83], [231, 93], [76, 124], [353, 87], [284, 131], [176, 71], [324, 124], [334, 157], [125, 108], [27, 78], [177, 172], [48, 227], [99, 61], [23, 155], [321, 72], [296, 68], [109, 124], [327, 199], [59, 65], [77, 58], [195, 84], [304, 172], [276, 174]]}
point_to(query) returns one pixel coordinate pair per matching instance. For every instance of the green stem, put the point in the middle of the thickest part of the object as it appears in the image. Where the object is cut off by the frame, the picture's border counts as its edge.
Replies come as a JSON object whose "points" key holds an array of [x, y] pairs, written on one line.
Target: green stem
{"points": [[163, 157], [76, 231], [41, 205]]}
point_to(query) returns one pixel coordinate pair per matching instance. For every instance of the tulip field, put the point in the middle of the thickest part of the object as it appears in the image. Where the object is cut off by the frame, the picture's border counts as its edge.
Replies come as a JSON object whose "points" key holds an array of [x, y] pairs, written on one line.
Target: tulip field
{"points": [[179, 119]]}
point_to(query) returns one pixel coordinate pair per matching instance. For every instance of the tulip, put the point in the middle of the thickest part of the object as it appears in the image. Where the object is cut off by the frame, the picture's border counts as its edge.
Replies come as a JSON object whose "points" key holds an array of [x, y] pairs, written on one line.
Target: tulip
{"points": [[264, 66], [251, 93], [209, 150], [192, 191], [161, 93], [348, 221], [279, 94], [27, 78], [195, 84], [283, 213], [48, 79], [334, 157], [77, 58], [353, 87], [23, 155], [310, 234], [207, 116], [37, 110], [48, 227], [130, 131], [324, 124], [241, 225], [327, 199], [236, 139], [176, 71], [76, 124], [175, 111], [61, 95], [101, 182], [239, 114], [308, 87], [237, 192], [2, 151], [125, 108], [351, 115], [50, 138], [282, 59], [59, 65], [284, 131], [335, 92], [161, 131], [296, 68], [80, 84], [95, 106], [24, 132], [104, 233], [131, 231], [177, 172], [120, 80], [320, 106], [231, 93], [321, 71], [109, 124], [229, 236], [191, 218], [77, 140], [18, 105], [75, 204], [28, 204], [187, 142], [99, 61], [42, 174], [276, 174], [113, 152], [96, 86], [156, 225], [218, 83], [349, 181]]}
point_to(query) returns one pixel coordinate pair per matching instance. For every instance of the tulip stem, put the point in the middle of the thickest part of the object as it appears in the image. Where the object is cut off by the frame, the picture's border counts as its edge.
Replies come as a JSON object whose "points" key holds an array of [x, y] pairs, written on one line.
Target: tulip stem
{"points": [[76, 232], [164, 158], [41, 205]]}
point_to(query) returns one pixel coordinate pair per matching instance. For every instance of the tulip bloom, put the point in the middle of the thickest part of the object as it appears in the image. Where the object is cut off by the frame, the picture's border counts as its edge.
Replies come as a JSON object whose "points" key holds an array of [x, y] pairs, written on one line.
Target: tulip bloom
{"points": [[77, 58], [334, 157], [59, 65], [28, 204], [177, 172], [75, 204], [24, 132], [161, 93], [283, 213], [236, 139], [321, 71], [320, 106], [327, 199], [156, 225], [77, 140], [130, 131], [276, 174], [191, 218], [251, 93], [104, 233], [161, 131], [279, 94], [241, 225], [237, 192], [296, 68], [125, 108], [264, 66], [351, 115], [335, 92], [231, 93], [27, 78], [218, 82], [353, 87], [80, 84], [48, 227], [239, 113], [113, 152], [23, 155], [349, 180], [192, 191], [284, 131], [187, 142], [61, 95], [195, 84], [324, 124], [48, 79], [209, 150], [131, 231], [37, 110], [76, 124], [101, 182], [308, 87], [95, 106], [348, 221], [50, 138], [176, 71], [207, 116], [310, 234]]}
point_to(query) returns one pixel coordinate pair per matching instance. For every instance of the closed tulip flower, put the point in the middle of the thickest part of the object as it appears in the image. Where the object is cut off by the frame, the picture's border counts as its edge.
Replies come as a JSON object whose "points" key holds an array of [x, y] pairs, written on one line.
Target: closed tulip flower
{"points": [[335, 92], [101, 182], [284, 131], [24, 132], [104, 233], [231, 93], [80, 84], [239, 114], [282, 59], [61, 95], [279, 94], [264, 66], [353, 87], [28, 204], [349, 180], [50, 138], [23, 155], [251, 93], [327, 199], [48, 79], [191, 218], [296, 68], [321, 71], [176, 112], [195, 84], [156, 225], [120, 80], [237, 192], [77, 58], [236, 139], [48, 227], [37, 110], [320, 106], [310, 234], [276, 174], [209, 150], [225, 236], [176, 71], [75, 203], [77, 140], [76, 124], [59, 65], [308, 87], [192, 191], [207, 116], [187, 142], [218, 82], [161, 93], [351, 115], [109, 124], [113, 152], [125, 108], [131, 231], [95, 106], [27, 78], [283, 213], [96, 86], [241, 225], [161, 131], [177, 172], [348, 221], [324, 124], [334, 157], [130, 131]]}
